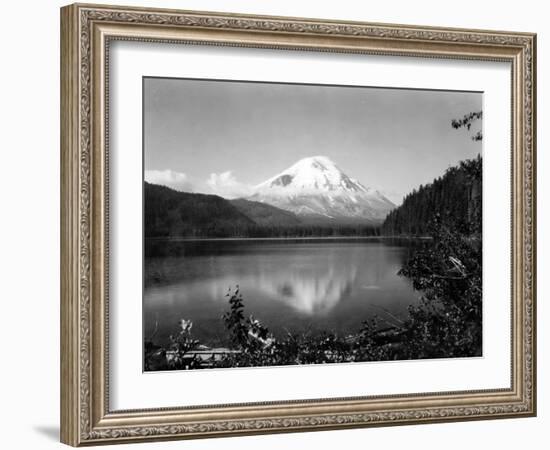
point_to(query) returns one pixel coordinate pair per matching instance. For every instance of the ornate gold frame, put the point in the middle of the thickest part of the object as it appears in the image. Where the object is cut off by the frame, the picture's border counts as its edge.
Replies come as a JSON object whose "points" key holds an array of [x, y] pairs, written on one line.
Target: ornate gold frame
{"points": [[86, 31]]}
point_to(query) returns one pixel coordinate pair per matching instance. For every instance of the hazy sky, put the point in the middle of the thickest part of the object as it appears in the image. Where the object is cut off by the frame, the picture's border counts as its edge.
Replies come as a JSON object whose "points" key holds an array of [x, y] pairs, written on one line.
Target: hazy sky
{"points": [[224, 137]]}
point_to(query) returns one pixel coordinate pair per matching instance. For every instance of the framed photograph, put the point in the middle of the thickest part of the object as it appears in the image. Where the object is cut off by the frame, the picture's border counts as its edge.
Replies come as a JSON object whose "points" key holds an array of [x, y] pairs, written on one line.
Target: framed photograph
{"points": [[273, 224]]}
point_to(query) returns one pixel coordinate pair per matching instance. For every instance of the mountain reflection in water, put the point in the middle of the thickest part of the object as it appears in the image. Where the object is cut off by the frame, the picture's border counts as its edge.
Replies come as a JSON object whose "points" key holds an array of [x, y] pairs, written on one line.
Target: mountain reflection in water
{"points": [[295, 287]]}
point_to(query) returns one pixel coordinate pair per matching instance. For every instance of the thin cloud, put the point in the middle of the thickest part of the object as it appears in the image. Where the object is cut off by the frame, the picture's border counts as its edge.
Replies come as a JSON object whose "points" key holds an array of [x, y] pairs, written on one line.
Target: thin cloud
{"points": [[175, 180], [226, 185]]}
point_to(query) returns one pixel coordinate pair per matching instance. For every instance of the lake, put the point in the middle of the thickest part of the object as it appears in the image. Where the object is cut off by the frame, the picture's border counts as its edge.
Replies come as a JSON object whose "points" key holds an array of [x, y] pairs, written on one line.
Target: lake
{"points": [[290, 285]]}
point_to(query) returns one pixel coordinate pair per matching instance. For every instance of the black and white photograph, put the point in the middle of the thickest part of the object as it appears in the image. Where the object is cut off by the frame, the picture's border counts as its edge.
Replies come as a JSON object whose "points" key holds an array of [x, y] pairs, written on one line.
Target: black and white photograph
{"points": [[291, 224]]}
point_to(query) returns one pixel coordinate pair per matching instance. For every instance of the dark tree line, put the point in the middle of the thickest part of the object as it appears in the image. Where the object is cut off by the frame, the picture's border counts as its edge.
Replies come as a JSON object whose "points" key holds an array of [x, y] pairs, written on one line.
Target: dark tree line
{"points": [[455, 199], [306, 230], [267, 231]]}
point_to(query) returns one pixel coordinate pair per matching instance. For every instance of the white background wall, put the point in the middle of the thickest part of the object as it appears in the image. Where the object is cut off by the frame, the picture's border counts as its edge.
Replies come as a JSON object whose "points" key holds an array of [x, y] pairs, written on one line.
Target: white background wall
{"points": [[29, 224]]}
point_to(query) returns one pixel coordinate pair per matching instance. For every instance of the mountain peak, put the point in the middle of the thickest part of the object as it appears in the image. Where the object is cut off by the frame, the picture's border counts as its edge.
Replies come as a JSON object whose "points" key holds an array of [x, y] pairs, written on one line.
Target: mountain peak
{"points": [[320, 162], [312, 174], [316, 186]]}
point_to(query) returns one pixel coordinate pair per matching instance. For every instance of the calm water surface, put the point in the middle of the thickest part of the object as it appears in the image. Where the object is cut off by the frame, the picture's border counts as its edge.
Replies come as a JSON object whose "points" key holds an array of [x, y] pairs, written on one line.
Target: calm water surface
{"points": [[289, 285]]}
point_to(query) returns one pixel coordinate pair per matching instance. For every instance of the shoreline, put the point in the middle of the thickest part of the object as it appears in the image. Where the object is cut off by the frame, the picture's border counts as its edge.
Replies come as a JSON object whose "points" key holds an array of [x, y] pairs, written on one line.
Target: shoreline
{"points": [[298, 238]]}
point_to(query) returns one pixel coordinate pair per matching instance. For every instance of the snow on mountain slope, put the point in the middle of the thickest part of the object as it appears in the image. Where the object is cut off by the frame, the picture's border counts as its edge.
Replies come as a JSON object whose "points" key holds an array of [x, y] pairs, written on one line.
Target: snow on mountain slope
{"points": [[316, 188]]}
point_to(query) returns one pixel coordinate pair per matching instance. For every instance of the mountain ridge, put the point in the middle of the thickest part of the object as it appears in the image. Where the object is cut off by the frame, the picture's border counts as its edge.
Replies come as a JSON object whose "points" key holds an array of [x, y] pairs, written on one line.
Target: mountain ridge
{"points": [[170, 213]]}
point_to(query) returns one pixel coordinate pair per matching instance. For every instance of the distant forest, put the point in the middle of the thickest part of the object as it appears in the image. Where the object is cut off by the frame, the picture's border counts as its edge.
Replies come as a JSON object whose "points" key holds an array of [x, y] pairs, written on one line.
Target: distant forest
{"points": [[454, 200], [169, 213]]}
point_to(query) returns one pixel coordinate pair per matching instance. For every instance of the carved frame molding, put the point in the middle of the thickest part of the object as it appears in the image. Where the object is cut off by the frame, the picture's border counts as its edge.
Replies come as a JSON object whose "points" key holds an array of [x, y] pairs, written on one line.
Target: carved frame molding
{"points": [[86, 31]]}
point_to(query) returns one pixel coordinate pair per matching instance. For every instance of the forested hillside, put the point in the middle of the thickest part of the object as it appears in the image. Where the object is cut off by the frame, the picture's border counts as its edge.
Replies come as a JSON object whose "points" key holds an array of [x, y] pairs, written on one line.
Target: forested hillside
{"points": [[171, 213], [454, 199], [265, 215]]}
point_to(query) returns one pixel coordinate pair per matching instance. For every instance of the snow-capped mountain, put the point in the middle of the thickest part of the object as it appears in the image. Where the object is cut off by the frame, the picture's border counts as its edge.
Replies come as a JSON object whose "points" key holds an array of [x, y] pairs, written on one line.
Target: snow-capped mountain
{"points": [[316, 188]]}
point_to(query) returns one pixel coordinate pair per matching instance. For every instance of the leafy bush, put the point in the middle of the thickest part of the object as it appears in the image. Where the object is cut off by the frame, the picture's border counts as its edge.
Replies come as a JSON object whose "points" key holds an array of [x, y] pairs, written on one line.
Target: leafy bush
{"points": [[448, 321]]}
